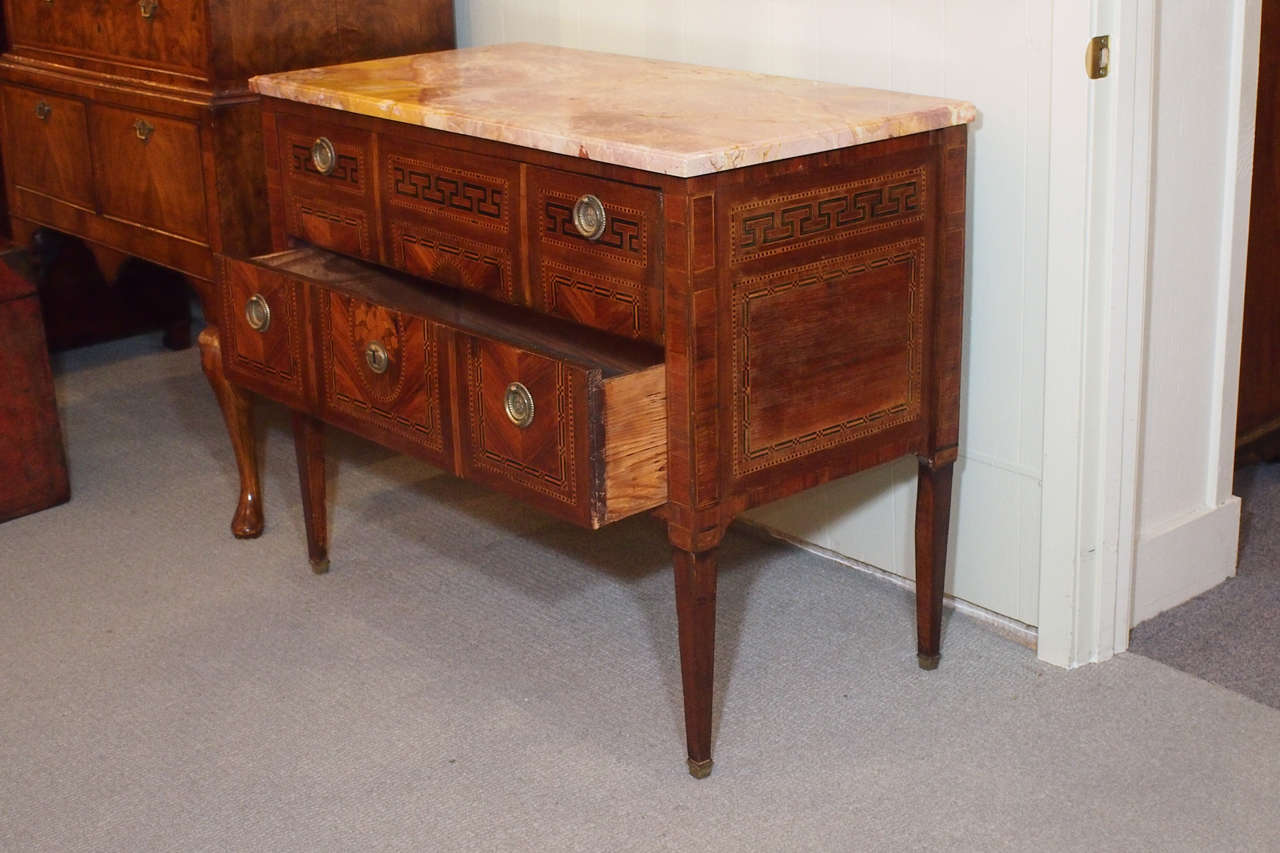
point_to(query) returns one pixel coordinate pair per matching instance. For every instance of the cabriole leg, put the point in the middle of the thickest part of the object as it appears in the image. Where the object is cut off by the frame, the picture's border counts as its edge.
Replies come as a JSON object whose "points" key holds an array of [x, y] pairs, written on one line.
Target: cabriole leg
{"points": [[933, 516], [237, 412], [695, 575], [308, 444]]}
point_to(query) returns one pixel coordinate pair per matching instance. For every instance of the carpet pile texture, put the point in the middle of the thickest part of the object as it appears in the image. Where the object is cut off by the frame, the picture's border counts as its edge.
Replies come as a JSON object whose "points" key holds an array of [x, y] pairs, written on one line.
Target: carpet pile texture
{"points": [[472, 675]]}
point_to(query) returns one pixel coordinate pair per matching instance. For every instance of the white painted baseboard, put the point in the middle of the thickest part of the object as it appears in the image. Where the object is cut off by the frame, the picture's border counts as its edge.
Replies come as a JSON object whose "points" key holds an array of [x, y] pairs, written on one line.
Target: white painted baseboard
{"points": [[1182, 560]]}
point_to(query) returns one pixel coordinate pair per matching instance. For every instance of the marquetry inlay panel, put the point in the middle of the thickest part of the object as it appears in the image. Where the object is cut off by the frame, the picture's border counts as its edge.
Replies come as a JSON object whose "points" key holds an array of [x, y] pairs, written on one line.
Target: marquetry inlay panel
{"points": [[344, 229], [540, 457], [405, 398], [785, 222], [463, 194], [274, 354], [614, 304], [453, 260], [625, 237], [826, 353], [351, 168]]}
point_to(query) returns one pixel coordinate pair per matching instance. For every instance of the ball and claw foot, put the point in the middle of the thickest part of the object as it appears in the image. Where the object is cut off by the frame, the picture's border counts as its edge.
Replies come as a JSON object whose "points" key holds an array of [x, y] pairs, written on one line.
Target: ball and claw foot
{"points": [[700, 769], [928, 662]]}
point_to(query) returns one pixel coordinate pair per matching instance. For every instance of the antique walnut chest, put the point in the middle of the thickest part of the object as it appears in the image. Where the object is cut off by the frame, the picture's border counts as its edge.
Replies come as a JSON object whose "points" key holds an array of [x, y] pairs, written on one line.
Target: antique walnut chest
{"points": [[129, 122], [610, 285]]}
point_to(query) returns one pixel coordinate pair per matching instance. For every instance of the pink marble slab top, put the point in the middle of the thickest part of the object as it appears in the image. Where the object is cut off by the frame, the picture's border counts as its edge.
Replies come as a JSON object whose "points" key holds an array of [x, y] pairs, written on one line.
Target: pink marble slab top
{"points": [[668, 117]]}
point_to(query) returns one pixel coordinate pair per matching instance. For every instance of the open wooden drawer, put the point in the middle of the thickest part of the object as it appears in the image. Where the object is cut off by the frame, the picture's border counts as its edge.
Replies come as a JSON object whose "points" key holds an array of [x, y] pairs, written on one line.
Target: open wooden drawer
{"points": [[569, 418]]}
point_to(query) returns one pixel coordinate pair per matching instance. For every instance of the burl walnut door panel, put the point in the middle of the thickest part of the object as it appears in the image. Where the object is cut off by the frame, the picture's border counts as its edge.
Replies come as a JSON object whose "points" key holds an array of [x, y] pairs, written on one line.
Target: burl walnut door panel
{"points": [[148, 170], [263, 343], [66, 25], [165, 33], [453, 217], [47, 146], [611, 280], [383, 372]]}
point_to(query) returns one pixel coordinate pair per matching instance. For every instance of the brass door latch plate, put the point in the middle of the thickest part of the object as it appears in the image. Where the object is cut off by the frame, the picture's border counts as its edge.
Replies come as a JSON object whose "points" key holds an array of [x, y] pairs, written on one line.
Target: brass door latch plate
{"points": [[1097, 57]]}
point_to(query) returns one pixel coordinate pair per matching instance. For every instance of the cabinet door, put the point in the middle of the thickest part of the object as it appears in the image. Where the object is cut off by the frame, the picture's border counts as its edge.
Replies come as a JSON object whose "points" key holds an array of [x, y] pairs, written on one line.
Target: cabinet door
{"points": [[67, 25], [166, 34], [48, 146], [148, 170]]}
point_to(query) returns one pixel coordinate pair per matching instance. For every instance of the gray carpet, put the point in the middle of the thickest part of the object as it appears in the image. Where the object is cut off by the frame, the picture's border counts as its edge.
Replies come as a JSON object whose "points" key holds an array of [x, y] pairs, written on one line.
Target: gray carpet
{"points": [[1230, 635], [474, 676]]}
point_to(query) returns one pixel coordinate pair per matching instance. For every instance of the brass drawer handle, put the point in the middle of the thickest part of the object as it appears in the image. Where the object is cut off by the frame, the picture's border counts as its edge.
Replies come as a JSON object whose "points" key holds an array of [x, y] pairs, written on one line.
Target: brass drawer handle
{"points": [[257, 313], [519, 405], [148, 8], [143, 129], [43, 110], [376, 357], [323, 156], [589, 217]]}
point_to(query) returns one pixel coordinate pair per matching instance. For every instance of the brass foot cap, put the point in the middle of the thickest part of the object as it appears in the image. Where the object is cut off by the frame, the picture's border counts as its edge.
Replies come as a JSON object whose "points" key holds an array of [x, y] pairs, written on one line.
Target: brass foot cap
{"points": [[700, 769], [246, 532], [928, 662], [320, 566]]}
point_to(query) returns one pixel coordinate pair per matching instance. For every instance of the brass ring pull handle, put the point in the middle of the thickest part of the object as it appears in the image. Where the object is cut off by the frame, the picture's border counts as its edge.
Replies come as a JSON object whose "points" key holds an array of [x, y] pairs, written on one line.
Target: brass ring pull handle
{"points": [[143, 129], [43, 110], [148, 8], [323, 156], [519, 405], [376, 357], [589, 217], [257, 313]]}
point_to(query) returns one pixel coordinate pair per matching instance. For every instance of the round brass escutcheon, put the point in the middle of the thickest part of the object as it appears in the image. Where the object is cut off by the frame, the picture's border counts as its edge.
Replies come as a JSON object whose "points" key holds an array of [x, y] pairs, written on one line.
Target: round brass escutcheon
{"points": [[143, 129], [257, 313], [376, 357], [519, 405], [323, 156], [589, 217], [43, 110]]}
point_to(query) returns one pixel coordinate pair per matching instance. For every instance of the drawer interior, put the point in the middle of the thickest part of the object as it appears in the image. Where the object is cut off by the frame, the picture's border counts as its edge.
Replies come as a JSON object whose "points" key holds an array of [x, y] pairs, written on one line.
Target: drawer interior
{"points": [[593, 449]]}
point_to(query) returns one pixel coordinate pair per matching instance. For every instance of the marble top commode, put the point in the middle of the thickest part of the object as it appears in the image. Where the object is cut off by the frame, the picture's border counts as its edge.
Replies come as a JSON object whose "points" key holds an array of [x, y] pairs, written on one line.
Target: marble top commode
{"points": [[677, 119]]}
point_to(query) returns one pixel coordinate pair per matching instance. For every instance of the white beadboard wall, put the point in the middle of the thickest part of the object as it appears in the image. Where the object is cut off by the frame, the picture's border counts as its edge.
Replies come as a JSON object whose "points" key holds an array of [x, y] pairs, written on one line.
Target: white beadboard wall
{"points": [[994, 53]]}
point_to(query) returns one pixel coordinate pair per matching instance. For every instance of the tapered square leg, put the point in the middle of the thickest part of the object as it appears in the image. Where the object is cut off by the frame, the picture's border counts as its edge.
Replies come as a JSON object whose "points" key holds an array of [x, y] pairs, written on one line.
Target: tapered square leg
{"points": [[933, 516], [238, 413], [308, 444], [695, 575]]}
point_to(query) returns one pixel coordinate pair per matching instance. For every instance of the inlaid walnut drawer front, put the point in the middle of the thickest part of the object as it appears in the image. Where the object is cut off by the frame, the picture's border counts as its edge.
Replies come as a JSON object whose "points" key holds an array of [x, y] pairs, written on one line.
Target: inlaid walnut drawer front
{"points": [[528, 429], [47, 145], [263, 346], [452, 217], [383, 374], [148, 170], [595, 252], [328, 189], [166, 34]]}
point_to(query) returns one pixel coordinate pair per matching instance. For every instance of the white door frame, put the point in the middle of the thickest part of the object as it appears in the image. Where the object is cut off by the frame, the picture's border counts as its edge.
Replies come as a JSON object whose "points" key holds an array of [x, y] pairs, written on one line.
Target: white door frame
{"points": [[1098, 284], [1095, 327]]}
